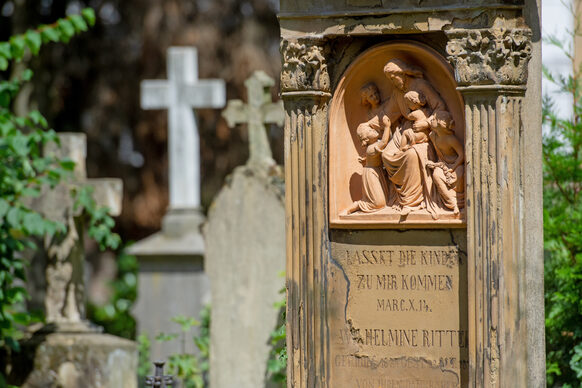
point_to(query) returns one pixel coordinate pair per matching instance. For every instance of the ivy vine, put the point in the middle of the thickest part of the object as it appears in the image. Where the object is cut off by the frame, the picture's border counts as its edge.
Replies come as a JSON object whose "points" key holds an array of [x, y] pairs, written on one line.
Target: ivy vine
{"points": [[25, 171]]}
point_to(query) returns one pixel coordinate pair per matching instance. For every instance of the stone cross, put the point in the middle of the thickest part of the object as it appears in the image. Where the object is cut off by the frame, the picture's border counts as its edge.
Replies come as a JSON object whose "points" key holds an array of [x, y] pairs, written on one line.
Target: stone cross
{"points": [[182, 92], [256, 113], [65, 288]]}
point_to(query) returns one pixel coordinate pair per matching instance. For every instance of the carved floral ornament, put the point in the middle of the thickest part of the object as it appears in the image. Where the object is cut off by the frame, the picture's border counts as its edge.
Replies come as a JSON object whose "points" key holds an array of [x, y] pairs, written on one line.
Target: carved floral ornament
{"points": [[490, 56], [304, 67]]}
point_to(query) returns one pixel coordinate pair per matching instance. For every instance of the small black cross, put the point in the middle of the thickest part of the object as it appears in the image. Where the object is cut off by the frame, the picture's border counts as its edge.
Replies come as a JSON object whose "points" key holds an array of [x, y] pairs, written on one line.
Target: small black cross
{"points": [[159, 380]]}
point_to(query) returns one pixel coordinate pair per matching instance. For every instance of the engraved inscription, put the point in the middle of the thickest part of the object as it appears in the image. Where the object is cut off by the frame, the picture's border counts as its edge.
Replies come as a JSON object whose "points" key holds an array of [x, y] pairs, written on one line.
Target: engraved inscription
{"points": [[403, 311]]}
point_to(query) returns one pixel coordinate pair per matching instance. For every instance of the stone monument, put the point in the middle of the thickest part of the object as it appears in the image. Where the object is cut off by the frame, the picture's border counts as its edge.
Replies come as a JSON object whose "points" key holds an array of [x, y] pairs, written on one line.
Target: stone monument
{"points": [[413, 193], [69, 351], [171, 262], [245, 245]]}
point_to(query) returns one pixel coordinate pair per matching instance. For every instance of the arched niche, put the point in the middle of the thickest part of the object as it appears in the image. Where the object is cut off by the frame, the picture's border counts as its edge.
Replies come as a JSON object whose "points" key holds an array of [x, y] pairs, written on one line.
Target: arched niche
{"points": [[347, 112]]}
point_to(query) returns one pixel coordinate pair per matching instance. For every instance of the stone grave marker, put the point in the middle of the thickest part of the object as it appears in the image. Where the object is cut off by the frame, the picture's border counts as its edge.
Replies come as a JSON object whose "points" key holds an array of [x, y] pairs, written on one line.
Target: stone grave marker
{"points": [[413, 193], [171, 262], [69, 351], [245, 245]]}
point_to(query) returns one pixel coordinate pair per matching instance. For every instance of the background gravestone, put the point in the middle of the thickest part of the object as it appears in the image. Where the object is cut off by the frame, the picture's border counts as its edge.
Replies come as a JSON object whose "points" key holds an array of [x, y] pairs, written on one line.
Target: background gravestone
{"points": [[171, 262], [354, 319], [68, 351], [245, 244]]}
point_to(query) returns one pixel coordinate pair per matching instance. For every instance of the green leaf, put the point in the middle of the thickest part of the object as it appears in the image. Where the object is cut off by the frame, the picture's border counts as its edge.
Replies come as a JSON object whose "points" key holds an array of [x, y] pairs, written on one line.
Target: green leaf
{"points": [[13, 217], [5, 50], [576, 361], [17, 45], [20, 145], [38, 118], [33, 41], [67, 164], [50, 34], [33, 223], [4, 207], [166, 337], [186, 323], [27, 75], [3, 63], [66, 28], [89, 15], [79, 23]]}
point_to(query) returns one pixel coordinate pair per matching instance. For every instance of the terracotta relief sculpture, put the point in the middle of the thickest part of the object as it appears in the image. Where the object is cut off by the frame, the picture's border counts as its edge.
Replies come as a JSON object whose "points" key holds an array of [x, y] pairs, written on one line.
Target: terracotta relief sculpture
{"points": [[374, 185], [413, 160], [448, 172]]}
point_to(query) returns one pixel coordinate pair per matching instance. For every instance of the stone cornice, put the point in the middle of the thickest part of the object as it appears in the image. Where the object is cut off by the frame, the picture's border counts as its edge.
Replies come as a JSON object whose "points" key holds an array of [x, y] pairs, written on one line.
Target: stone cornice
{"points": [[489, 56], [367, 11]]}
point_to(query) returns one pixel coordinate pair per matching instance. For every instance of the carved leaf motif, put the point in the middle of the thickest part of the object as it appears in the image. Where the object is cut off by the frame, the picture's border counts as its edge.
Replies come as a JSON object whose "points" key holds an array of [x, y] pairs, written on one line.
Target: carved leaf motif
{"points": [[497, 56], [304, 67]]}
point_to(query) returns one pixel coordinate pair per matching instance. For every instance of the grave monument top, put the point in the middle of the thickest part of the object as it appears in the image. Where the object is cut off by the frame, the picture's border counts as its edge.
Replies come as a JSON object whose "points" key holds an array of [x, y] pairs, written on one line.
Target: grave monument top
{"points": [[181, 94], [171, 262], [65, 283], [68, 351], [258, 112]]}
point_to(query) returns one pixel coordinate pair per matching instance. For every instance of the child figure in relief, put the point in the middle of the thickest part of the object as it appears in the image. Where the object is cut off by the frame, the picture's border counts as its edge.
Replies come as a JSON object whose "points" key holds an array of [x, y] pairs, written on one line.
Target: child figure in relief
{"points": [[370, 98], [374, 184], [448, 172], [415, 102]]}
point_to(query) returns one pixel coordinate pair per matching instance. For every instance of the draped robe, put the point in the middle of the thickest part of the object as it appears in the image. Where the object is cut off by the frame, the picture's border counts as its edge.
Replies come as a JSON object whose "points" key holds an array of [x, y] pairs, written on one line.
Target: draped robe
{"points": [[407, 170]]}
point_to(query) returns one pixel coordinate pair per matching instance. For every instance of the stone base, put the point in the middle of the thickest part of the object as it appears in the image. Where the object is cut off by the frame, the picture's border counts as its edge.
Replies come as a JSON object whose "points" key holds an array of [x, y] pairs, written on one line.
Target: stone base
{"points": [[71, 327], [169, 285], [73, 360], [177, 222], [172, 281], [180, 236]]}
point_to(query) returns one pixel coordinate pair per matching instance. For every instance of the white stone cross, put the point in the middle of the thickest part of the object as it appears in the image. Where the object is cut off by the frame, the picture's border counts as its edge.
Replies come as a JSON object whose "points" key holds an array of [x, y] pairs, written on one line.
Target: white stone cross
{"points": [[180, 94], [258, 112]]}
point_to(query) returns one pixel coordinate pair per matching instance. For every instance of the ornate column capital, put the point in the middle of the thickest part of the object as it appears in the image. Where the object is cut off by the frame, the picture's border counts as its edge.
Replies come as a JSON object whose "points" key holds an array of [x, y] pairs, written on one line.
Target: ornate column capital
{"points": [[304, 68], [489, 56]]}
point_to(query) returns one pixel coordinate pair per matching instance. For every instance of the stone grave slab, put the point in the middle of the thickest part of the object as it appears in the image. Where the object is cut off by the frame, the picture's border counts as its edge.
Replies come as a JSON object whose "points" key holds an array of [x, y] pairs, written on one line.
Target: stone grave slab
{"points": [[245, 245], [69, 351], [171, 262]]}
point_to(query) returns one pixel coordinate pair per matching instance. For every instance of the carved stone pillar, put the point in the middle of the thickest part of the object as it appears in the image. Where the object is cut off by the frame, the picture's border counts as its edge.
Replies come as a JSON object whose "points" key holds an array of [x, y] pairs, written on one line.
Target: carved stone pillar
{"points": [[491, 68], [305, 86]]}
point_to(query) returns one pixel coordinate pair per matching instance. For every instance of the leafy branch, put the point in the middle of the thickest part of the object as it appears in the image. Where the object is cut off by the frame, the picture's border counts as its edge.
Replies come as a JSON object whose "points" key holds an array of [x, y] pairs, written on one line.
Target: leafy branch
{"points": [[60, 31], [25, 172], [562, 173]]}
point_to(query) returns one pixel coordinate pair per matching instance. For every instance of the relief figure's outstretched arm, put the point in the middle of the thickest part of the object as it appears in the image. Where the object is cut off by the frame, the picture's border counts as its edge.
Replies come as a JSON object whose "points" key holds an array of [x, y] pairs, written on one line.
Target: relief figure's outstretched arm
{"points": [[386, 135]]}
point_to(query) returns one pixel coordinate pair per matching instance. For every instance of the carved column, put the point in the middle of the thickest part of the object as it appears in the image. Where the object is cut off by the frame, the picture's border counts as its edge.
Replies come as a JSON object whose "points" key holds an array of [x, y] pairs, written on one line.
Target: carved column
{"points": [[491, 70], [305, 86]]}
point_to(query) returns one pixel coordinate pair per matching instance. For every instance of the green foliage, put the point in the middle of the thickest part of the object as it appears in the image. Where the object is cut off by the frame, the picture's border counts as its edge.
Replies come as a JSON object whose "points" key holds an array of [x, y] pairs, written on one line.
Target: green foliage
{"points": [[25, 172], [32, 40], [562, 170], [22, 174], [144, 365], [192, 369], [99, 221], [277, 362], [115, 316]]}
